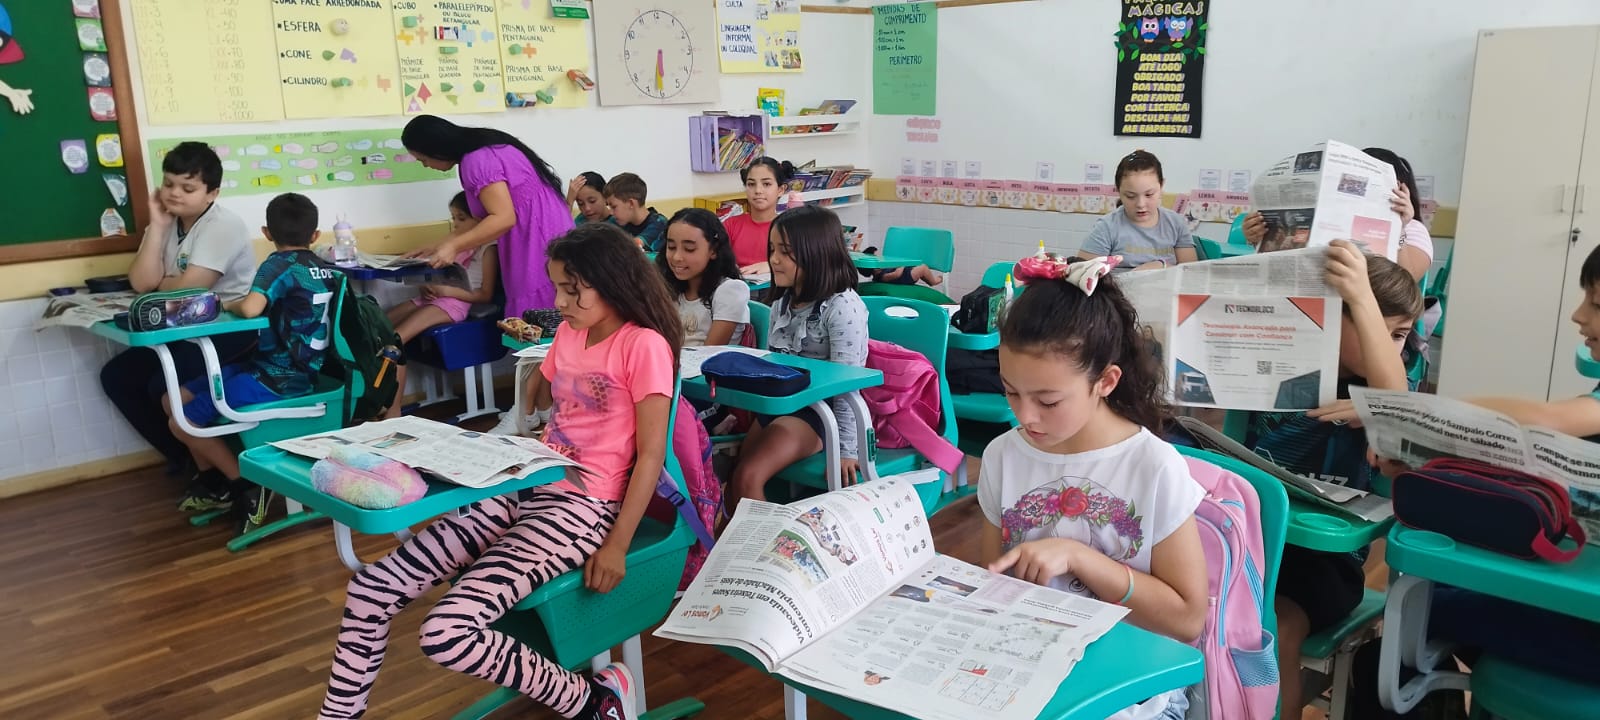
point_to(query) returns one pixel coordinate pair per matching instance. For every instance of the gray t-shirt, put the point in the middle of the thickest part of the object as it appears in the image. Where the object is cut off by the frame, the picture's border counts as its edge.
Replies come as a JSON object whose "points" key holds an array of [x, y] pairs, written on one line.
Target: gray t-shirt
{"points": [[1115, 234], [218, 241]]}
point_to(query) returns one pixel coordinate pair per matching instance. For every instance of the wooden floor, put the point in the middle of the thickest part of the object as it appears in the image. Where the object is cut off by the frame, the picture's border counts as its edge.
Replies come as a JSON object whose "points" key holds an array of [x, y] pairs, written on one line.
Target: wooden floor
{"points": [[112, 606]]}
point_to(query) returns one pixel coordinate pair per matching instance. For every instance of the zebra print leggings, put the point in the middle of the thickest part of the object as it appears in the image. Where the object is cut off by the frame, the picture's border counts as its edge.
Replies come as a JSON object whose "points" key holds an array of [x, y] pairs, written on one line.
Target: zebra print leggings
{"points": [[509, 546]]}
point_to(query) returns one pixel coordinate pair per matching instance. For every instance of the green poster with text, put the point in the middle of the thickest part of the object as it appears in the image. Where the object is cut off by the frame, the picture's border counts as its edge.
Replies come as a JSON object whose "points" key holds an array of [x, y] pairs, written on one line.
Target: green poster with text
{"points": [[905, 59]]}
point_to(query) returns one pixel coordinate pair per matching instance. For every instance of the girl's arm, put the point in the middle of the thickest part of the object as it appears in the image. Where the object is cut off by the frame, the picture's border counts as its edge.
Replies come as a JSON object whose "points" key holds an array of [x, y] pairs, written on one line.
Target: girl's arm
{"points": [[484, 292], [721, 332], [608, 564], [501, 217], [1578, 417], [1415, 261], [847, 345], [732, 298], [989, 544], [1186, 255], [1171, 599]]}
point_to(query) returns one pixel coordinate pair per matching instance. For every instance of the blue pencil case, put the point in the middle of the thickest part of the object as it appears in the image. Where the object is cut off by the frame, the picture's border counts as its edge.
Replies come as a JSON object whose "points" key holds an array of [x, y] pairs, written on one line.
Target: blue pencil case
{"points": [[754, 375]]}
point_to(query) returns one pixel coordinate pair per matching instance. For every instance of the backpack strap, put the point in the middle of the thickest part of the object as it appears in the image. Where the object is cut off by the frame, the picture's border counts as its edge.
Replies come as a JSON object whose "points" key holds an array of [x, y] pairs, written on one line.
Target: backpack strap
{"points": [[924, 440], [1550, 551]]}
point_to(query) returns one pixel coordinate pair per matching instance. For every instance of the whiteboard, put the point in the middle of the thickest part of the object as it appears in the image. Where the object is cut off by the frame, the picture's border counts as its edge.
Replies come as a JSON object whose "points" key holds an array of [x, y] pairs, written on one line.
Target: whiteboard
{"points": [[1029, 82]]}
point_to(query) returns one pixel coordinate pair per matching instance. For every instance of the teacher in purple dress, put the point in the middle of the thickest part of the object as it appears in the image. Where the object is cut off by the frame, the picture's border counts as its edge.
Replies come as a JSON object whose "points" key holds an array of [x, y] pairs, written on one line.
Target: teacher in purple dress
{"points": [[515, 194]]}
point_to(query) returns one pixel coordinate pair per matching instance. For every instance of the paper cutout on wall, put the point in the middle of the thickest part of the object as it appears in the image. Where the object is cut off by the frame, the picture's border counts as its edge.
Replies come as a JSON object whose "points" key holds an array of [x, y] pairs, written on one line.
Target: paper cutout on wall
{"points": [[537, 49], [759, 36], [269, 162], [657, 53], [11, 52], [331, 59], [449, 54], [207, 66], [90, 35]]}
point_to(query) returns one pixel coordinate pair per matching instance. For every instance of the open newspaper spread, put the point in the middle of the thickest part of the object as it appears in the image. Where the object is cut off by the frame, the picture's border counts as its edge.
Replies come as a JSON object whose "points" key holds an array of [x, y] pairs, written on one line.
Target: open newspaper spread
{"points": [[84, 309], [844, 592], [1329, 192], [450, 453], [1415, 428], [1254, 332]]}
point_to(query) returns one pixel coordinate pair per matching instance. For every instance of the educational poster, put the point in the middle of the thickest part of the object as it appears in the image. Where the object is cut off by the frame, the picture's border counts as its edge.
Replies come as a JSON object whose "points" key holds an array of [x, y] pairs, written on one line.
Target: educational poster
{"points": [[759, 36], [538, 49], [656, 52], [449, 56], [905, 59], [287, 162], [336, 58], [1161, 63], [207, 62]]}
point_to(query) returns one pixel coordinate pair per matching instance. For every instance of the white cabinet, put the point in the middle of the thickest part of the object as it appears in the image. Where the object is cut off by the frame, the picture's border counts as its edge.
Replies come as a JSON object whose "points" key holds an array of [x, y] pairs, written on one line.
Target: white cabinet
{"points": [[1525, 224]]}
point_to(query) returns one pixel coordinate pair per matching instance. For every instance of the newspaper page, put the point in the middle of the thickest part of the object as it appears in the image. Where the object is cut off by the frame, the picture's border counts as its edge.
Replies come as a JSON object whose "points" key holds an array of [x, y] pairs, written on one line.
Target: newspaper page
{"points": [[691, 358], [84, 309], [782, 576], [1255, 332], [1371, 507], [1329, 192], [955, 642], [452, 454], [1415, 428]]}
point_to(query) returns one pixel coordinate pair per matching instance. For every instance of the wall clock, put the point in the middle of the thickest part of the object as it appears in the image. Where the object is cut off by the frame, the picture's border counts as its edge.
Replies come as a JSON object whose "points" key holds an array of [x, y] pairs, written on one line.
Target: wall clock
{"points": [[656, 53]]}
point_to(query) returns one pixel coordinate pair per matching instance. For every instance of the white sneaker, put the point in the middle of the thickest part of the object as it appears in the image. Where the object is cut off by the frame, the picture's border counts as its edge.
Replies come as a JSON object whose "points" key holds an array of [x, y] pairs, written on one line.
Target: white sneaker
{"points": [[624, 703], [506, 426]]}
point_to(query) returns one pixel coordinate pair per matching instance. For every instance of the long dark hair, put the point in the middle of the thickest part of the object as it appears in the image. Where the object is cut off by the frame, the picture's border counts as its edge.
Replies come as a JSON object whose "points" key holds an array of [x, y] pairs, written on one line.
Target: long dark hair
{"points": [[1403, 173], [1094, 332], [722, 265], [437, 137], [1394, 289], [816, 242], [603, 257], [782, 170]]}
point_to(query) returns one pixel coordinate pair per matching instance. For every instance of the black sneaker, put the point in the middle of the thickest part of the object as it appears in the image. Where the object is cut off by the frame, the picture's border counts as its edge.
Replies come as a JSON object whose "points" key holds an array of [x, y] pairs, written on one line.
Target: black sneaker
{"points": [[251, 502], [208, 491]]}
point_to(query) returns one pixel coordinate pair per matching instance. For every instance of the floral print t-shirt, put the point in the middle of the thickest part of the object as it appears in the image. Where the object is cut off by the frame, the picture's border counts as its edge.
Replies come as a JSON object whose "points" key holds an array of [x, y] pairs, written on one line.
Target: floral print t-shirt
{"points": [[1120, 500]]}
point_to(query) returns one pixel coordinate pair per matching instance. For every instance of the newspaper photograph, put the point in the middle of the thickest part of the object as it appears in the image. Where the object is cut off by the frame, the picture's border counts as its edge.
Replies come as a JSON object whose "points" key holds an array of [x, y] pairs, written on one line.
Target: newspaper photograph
{"points": [[83, 310], [845, 592], [463, 457], [1329, 192], [1255, 332], [1415, 428]]}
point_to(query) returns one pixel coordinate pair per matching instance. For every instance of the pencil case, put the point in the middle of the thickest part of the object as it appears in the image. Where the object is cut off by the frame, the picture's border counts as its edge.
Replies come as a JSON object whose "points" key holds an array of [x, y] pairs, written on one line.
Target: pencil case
{"points": [[1506, 511], [754, 375], [173, 308], [367, 480]]}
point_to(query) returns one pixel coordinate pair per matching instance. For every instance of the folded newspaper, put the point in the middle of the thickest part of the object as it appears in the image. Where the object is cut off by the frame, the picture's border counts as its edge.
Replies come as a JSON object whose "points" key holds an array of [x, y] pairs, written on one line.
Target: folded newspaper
{"points": [[844, 592], [1415, 428], [1329, 192], [1345, 500], [454, 275], [463, 457], [1254, 332], [84, 309]]}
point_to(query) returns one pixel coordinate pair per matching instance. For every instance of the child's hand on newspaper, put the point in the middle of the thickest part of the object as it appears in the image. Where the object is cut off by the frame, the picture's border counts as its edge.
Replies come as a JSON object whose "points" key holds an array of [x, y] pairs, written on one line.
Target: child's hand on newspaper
{"points": [[1400, 202], [1254, 228], [1347, 273], [1340, 412], [605, 568], [1039, 561], [1389, 468]]}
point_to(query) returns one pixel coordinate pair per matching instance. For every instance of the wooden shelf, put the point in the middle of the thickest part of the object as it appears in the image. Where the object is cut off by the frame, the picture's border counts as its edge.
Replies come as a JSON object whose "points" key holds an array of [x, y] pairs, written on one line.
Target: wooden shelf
{"points": [[799, 126]]}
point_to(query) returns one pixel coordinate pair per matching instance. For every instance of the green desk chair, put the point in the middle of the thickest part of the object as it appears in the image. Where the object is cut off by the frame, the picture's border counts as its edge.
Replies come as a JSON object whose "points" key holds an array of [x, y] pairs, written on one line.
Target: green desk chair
{"points": [[1439, 287], [925, 333], [335, 394], [935, 247], [1330, 654], [1274, 503], [577, 627], [1207, 248], [989, 411], [1236, 231], [1505, 690], [908, 292]]}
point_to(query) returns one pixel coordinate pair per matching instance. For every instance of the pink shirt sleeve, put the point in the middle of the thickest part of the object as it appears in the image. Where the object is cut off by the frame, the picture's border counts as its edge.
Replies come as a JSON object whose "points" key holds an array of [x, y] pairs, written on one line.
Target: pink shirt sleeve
{"points": [[548, 367], [647, 365]]}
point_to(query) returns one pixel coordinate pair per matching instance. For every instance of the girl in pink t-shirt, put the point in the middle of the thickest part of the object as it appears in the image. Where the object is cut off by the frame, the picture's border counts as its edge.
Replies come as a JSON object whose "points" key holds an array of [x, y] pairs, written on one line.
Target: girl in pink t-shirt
{"points": [[611, 372]]}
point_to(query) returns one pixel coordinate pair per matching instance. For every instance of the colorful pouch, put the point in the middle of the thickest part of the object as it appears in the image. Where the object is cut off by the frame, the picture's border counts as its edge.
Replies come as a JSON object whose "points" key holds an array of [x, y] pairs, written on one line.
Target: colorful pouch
{"points": [[367, 479], [173, 308]]}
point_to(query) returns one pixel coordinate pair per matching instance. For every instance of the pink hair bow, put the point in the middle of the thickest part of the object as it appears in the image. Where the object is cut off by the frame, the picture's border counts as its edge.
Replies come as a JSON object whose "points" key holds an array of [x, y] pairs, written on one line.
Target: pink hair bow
{"points": [[1084, 274]]}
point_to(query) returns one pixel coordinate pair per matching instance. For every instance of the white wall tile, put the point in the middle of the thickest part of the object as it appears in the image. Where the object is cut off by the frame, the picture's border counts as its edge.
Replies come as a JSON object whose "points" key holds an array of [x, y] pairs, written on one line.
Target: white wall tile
{"points": [[61, 390]]}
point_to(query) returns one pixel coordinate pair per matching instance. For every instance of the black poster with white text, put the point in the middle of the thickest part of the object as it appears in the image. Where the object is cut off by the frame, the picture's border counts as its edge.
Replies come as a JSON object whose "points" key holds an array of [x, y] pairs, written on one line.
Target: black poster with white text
{"points": [[1161, 62]]}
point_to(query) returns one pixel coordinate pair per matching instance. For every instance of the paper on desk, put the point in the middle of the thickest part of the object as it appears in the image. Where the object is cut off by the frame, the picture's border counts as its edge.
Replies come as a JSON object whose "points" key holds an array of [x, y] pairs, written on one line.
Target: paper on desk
{"points": [[463, 457], [689, 362], [387, 261], [535, 352], [84, 309]]}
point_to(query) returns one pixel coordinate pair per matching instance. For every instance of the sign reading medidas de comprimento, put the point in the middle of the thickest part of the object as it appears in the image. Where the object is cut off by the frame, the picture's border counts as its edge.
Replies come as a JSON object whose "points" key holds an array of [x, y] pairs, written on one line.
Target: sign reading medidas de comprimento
{"points": [[1161, 61]]}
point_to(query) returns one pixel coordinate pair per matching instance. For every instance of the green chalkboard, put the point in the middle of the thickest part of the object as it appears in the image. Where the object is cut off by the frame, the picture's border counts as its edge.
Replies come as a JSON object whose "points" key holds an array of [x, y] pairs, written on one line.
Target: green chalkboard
{"points": [[43, 201]]}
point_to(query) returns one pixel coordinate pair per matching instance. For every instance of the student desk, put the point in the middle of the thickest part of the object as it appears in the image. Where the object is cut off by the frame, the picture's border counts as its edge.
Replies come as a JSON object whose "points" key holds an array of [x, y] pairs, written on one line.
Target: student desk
{"points": [[1423, 558], [364, 276], [1313, 528], [1127, 665], [879, 262], [289, 475], [828, 380], [959, 340]]}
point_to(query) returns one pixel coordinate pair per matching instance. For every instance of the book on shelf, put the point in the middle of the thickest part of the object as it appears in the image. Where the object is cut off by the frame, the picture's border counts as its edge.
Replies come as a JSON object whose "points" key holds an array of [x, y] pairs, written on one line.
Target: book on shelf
{"points": [[737, 148]]}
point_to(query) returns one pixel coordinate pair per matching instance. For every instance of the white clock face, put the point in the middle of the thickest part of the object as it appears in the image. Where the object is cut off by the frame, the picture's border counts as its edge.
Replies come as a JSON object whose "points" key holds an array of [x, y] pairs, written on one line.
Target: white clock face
{"points": [[658, 54]]}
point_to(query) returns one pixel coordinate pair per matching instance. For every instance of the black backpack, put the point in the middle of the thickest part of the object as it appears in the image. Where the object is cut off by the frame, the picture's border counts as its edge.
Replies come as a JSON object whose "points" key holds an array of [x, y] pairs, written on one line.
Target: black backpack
{"points": [[373, 342], [980, 311]]}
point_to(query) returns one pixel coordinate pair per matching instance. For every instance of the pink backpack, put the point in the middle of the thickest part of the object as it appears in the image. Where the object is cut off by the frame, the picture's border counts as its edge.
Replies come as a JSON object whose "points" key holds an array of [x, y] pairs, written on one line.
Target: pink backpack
{"points": [[692, 448], [1241, 659], [905, 408]]}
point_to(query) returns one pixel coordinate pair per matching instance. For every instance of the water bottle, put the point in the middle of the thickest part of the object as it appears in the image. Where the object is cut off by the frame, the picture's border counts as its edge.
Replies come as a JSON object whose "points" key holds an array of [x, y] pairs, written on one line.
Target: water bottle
{"points": [[344, 244]]}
